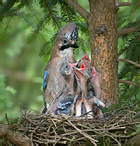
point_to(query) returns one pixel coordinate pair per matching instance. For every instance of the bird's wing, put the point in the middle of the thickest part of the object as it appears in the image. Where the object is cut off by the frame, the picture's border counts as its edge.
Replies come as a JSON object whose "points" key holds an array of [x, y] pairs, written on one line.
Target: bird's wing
{"points": [[64, 105], [46, 72], [45, 79]]}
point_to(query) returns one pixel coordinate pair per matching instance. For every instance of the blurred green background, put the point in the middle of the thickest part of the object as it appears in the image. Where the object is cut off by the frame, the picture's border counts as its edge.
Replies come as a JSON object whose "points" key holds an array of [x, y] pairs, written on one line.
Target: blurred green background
{"points": [[21, 67], [21, 62]]}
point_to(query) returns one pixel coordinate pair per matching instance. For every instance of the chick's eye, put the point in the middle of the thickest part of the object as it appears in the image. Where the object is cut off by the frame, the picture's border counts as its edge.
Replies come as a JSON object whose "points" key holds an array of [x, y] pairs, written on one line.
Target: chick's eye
{"points": [[88, 70], [66, 66], [64, 41]]}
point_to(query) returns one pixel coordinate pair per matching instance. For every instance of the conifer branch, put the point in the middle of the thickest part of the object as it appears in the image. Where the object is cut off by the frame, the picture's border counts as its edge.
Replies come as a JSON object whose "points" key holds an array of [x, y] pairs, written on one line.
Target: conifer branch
{"points": [[122, 51], [50, 12], [41, 23], [129, 61], [129, 82], [125, 31], [124, 4], [36, 16], [83, 12], [13, 137], [67, 9], [29, 23], [78, 18]]}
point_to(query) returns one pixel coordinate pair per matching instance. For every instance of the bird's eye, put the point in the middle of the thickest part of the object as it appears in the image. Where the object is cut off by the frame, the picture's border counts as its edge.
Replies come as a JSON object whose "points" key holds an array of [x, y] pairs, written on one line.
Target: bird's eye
{"points": [[88, 71], [64, 41], [66, 66]]}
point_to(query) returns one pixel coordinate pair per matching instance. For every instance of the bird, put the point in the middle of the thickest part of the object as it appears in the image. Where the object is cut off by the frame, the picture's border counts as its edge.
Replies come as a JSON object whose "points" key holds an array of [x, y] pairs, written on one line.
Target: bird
{"points": [[95, 82], [64, 103], [94, 93], [86, 60], [82, 104], [53, 80]]}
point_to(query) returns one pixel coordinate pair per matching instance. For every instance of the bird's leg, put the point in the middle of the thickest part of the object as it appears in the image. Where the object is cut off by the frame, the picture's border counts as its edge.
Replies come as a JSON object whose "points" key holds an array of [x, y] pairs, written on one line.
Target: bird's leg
{"points": [[88, 107], [78, 107]]}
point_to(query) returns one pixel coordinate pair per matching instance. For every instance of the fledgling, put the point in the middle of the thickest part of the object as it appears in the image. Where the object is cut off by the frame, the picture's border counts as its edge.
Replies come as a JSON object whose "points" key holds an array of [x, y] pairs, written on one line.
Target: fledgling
{"points": [[95, 82], [64, 103], [87, 63], [86, 60], [82, 104], [94, 93], [53, 81], [68, 74]]}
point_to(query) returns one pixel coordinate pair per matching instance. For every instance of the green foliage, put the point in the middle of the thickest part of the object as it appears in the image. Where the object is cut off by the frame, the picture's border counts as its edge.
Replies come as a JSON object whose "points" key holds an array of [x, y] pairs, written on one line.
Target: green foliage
{"points": [[129, 48], [5, 101]]}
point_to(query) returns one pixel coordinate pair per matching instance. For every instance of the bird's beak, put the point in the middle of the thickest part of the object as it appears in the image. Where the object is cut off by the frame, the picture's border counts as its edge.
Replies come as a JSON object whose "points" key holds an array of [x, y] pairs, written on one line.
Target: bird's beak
{"points": [[78, 71], [74, 44], [93, 71], [86, 56]]}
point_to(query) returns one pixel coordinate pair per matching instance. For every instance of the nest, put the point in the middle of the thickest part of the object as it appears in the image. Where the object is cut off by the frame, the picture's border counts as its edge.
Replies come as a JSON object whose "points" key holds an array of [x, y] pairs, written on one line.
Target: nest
{"points": [[118, 126]]}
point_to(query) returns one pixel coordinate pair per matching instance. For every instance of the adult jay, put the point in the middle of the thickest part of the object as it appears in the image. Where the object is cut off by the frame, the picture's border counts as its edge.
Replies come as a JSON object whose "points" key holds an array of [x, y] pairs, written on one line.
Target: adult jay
{"points": [[53, 80]]}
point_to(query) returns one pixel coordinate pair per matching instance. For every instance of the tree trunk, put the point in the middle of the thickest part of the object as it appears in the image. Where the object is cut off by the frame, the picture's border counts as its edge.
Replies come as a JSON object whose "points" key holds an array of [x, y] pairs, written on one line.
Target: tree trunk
{"points": [[102, 26]]}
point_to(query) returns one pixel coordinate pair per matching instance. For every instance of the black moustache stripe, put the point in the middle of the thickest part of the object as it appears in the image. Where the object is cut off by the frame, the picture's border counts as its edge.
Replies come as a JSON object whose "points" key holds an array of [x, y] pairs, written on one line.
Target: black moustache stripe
{"points": [[69, 45]]}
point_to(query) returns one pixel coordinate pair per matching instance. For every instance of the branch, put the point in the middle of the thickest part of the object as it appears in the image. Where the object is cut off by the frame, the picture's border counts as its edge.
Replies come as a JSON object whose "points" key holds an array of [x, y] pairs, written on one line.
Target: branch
{"points": [[129, 82], [124, 4], [91, 5], [125, 31], [84, 134], [122, 51], [50, 12], [13, 137], [67, 9], [129, 61], [83, 12]]}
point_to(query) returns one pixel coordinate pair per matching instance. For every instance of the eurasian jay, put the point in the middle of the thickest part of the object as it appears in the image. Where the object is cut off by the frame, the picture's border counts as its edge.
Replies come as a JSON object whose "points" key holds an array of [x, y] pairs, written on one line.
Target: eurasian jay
{"points": [[86, 60], [94, 93], [53, 81], [82, 104], [95, 82], [64, 103]]}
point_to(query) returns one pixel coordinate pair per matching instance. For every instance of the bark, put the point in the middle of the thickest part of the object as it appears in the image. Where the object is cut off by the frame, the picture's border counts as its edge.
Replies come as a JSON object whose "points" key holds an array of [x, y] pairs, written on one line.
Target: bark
{"points": [[102, 26]]}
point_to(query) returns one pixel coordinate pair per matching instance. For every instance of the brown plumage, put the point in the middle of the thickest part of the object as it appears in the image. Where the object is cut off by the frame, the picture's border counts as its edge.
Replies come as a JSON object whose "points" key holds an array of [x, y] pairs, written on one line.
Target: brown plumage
{"points": [[54, 82], [82, 104]]}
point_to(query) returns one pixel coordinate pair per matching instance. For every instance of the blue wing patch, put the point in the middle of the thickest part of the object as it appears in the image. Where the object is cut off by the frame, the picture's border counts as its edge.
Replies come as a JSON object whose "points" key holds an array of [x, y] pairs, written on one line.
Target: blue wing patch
{"points": [[65, 104], [44, 78]]}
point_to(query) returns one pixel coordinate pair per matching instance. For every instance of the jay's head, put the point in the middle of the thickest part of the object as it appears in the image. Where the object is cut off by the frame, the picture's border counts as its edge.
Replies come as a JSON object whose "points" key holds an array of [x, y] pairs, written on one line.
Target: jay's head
{"points": [[67, 68], [67, 37]]}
